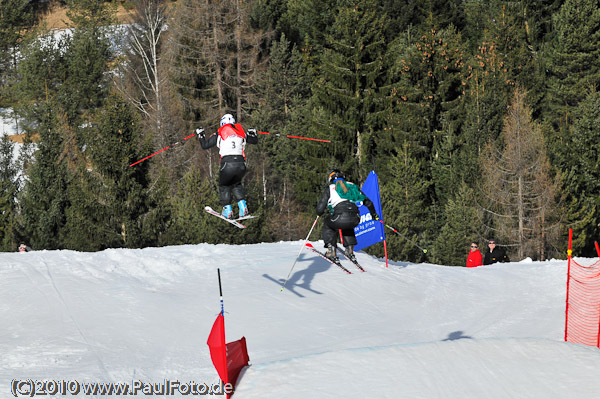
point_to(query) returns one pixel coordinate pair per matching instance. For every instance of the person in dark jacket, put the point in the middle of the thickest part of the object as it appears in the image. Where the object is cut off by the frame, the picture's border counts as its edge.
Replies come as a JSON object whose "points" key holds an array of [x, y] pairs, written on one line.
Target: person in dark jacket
{"points": [[338, 203], [495, 254], [231, 140]]}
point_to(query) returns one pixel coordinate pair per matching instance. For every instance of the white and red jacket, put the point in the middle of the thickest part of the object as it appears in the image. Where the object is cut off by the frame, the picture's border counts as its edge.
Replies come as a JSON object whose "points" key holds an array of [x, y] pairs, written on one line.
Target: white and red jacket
{"points": [[230, 139]]}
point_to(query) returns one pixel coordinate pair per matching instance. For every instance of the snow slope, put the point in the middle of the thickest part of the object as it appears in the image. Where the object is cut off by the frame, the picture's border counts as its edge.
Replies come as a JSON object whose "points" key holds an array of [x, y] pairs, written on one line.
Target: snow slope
{"points": [[7, 124], [8, 128], [407, 331]]}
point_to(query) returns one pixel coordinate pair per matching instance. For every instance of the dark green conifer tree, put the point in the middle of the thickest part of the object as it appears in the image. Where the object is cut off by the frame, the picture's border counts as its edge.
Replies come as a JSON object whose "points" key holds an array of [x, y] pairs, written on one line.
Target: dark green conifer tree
{"points": [[16, 18], [85, 83], [190, 224], [424, 114], [63, 84], [44, 198], [282, 98], [404, 14], [307, 21], [8, 194], [463, 225], [501, 59], [108, 198], [404, 199], [348, 96], [581, 176], [573, 69]]}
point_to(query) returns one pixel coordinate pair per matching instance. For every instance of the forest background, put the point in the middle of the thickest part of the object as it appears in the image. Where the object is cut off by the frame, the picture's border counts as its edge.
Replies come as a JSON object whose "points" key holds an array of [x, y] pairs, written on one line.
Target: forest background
{"points": [[481, 118]]}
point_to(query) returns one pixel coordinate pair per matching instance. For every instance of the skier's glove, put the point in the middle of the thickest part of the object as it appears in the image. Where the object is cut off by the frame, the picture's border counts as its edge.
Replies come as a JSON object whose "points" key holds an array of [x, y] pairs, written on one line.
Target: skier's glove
{"points": [[375, 216], [200, 133], [252, 132]]}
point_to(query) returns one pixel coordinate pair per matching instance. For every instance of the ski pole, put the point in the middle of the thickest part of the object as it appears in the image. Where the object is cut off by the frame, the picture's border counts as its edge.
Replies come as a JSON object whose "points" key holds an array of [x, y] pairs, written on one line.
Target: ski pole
{"points": [[220, 292], [166, 148], [403, 236], [299, 252], [295, 137]]}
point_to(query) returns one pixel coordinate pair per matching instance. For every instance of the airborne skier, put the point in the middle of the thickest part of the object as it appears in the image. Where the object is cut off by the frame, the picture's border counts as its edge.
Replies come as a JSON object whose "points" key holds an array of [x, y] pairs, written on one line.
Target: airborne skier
{"points": [[231, 140]]}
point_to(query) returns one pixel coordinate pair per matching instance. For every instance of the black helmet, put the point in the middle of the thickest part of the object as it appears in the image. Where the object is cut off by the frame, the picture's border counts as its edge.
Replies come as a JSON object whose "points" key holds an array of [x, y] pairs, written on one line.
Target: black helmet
{"points": [[335, 174]]}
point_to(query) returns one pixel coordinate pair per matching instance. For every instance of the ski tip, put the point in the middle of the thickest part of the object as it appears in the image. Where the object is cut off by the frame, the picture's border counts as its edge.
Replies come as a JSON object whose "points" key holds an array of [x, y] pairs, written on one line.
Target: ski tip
{"points": [[207, 208], [308, 244]]}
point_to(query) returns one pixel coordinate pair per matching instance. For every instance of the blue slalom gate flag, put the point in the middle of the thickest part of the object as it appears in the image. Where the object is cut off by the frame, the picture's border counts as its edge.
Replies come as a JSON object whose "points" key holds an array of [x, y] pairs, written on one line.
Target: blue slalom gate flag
{"points": [[369, 231]]}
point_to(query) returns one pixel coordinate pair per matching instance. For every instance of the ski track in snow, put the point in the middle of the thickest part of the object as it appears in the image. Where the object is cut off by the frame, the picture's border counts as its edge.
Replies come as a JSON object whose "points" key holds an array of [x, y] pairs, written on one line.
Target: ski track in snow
{"points": [[409, 331], [74, 321]]}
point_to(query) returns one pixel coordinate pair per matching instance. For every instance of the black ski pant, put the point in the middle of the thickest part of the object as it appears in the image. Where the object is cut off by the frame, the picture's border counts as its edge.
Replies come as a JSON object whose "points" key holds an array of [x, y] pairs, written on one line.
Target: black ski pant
{"points": [[345, 217], [233, 169]]}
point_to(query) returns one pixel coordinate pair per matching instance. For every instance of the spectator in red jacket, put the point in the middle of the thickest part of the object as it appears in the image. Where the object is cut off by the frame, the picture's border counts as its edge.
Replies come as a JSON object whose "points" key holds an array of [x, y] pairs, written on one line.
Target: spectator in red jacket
{"points": [[475, 257]]}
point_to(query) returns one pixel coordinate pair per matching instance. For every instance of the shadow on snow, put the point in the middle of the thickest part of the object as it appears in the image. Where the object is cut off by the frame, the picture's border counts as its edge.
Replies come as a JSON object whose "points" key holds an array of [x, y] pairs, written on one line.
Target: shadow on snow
{"points": [[303, 278]]}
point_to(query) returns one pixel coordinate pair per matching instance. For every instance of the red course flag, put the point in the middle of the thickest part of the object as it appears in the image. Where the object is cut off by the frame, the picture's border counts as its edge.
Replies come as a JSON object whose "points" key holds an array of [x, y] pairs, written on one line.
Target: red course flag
{"points": [[237, 358], [218, 350], [229, 359]]}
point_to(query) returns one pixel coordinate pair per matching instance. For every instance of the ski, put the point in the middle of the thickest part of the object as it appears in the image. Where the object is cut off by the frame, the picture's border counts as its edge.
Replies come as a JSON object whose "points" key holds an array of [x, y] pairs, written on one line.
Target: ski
{"points": [[343, 251], [234, 222], [245, 217], [322, 255]]}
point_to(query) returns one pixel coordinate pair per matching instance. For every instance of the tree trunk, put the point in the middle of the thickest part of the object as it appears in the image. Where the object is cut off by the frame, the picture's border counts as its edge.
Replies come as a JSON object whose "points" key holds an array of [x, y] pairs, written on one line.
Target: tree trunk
{"points": [[219, 76], [521, 216], [238, 41]]}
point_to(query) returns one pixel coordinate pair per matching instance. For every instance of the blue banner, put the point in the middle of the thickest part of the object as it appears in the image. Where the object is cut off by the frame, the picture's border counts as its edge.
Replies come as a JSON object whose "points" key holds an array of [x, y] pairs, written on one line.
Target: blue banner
{"points": [[370, 232]]}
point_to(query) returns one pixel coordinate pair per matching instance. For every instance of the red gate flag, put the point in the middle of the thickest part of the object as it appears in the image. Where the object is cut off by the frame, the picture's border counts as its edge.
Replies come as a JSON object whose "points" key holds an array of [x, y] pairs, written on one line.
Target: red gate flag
{"points": [[228, 359], [217, 347], [237, 359]]}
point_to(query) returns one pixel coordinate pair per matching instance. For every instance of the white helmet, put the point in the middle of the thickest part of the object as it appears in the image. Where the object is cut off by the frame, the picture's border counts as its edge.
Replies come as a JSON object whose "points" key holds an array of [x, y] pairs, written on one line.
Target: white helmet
{"points": [[227, 118]]}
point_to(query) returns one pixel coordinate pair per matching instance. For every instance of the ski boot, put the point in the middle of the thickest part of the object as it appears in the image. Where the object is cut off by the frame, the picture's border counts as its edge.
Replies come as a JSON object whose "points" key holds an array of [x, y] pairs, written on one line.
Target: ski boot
{"points": [[330, 253], [350, 253], [243, 208], [227, 212]]}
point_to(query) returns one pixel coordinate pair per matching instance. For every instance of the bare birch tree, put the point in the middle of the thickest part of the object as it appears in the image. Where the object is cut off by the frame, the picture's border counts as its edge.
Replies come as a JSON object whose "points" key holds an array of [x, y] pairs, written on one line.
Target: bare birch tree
{"points": [[145, 38], [520, 192], [141, 79]]}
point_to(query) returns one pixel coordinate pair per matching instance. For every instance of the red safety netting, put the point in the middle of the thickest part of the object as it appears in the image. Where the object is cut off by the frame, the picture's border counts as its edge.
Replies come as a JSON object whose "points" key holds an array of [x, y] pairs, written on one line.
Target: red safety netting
{"points": [[582, 324]]}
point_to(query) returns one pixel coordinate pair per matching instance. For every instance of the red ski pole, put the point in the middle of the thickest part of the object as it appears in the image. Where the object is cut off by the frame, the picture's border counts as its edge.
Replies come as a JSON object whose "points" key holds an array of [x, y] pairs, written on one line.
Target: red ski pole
{"points": [[166, 148], [403, 236], [299, 252], [296, 137]]}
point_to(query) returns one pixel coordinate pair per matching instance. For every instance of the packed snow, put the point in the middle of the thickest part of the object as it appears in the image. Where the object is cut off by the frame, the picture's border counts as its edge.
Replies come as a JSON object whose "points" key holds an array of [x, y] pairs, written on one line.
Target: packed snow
{"points": [[8, 126], [407, 331]]}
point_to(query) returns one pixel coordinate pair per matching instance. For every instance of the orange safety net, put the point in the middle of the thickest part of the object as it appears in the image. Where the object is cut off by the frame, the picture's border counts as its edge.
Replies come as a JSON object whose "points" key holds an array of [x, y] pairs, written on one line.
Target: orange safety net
{"points": [[582, 324]]}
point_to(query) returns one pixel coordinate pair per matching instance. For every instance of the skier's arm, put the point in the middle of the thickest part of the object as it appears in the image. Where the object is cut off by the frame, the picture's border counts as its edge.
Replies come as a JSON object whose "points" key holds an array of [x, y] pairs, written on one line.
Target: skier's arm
{"points": [[251, 136], [370, 206], [204, 142], [322, 204]]}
